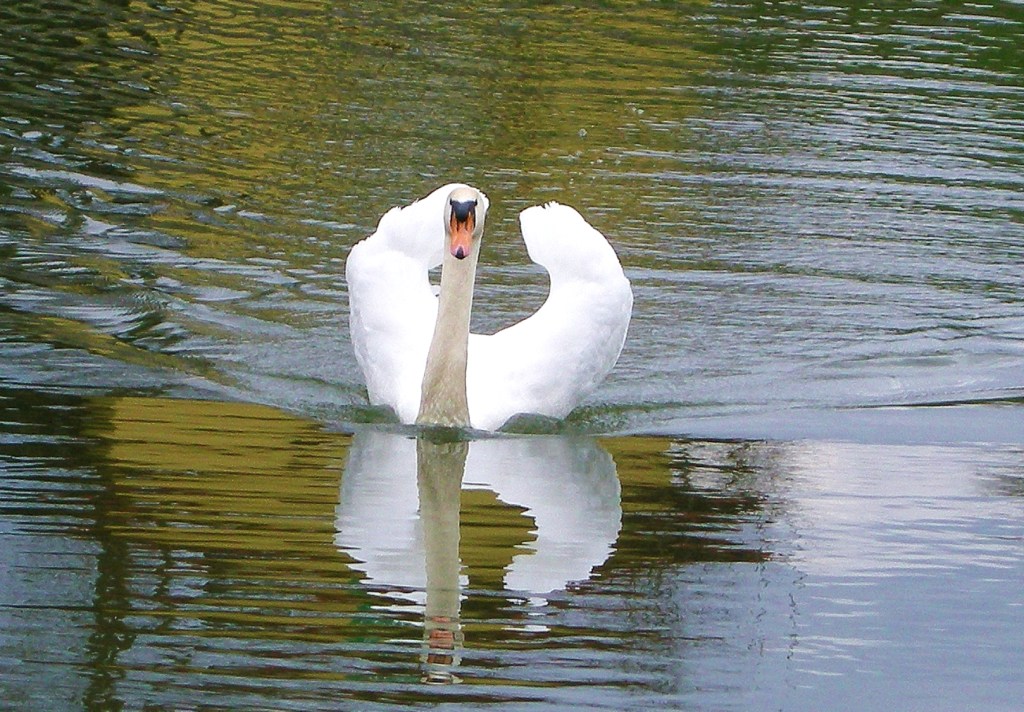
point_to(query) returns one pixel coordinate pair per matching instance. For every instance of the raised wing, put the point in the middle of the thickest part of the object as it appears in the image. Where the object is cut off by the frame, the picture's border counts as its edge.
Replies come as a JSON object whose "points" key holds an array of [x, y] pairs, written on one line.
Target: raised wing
{"points": [[547, 363]]}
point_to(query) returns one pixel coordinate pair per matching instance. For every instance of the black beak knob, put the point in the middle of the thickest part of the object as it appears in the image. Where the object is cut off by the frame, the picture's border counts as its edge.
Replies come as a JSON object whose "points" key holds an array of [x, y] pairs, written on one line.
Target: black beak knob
{"points": [[461, 209]]}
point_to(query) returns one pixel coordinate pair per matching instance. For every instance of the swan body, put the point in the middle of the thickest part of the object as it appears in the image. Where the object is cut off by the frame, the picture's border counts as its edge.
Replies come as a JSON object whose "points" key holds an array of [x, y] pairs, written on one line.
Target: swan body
{"points": [[545, 364]]}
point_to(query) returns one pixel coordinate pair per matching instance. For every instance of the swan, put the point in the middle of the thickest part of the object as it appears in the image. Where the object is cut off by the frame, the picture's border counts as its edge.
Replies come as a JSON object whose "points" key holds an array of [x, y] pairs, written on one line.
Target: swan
{"points": [[414, 347]]}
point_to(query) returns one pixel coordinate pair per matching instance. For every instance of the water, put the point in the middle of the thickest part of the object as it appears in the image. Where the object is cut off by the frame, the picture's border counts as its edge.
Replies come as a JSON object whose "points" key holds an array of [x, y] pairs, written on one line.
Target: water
{"points": [[168, 552], [801, 486]]}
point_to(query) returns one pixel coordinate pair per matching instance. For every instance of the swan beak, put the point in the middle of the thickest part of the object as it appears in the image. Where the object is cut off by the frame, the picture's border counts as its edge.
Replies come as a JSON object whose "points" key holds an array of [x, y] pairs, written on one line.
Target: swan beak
{"points": [[461, 235]]}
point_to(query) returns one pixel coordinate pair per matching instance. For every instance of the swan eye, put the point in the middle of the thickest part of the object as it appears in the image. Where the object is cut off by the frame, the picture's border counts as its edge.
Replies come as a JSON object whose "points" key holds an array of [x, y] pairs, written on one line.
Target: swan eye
{"points": [[462, 208]]}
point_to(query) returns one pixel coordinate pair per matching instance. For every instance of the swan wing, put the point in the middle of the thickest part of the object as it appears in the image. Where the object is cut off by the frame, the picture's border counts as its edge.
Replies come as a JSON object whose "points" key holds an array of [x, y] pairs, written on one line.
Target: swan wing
{"points": [[392, 306], [549, 362], [392, 310]]}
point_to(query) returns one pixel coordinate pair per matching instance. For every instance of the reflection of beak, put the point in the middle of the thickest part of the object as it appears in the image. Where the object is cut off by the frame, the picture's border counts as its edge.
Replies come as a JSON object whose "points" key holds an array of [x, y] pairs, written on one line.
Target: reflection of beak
{"points": [[462, 236]]}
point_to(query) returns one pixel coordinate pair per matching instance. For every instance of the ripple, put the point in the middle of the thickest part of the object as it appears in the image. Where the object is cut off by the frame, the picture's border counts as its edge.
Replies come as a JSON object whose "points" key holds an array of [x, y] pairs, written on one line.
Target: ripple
{"points": [[50, 177], [818, 206]]}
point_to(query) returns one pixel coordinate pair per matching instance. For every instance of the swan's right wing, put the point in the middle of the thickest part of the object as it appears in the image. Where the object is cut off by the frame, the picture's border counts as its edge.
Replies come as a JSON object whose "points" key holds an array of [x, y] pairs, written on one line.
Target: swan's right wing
{"points": [[392, 307], [392, 310]]}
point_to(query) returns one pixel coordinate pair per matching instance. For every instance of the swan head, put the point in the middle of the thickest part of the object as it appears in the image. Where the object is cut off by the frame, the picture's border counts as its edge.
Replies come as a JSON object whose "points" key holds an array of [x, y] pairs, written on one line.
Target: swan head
{"points": [[464, 214]]}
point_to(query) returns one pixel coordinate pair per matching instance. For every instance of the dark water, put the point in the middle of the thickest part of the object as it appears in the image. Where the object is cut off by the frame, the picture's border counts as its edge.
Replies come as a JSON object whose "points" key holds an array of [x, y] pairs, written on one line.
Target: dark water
{"points": [[801, 488]]}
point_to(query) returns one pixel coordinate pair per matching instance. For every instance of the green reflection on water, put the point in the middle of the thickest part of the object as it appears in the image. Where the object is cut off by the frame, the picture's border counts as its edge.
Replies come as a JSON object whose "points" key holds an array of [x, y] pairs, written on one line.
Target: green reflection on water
{"points": [[774, 177], [216, 521], [790, 185], [192, 548]]}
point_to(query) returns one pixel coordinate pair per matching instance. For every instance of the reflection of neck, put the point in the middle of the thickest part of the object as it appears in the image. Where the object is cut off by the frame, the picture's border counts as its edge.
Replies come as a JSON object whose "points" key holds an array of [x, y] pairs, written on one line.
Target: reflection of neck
{"points": [[443, 393], [439, 470]]}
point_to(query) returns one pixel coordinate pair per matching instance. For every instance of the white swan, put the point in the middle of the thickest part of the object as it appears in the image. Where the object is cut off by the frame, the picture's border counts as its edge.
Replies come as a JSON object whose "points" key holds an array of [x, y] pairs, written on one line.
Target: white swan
{"points": [[545, 364]]}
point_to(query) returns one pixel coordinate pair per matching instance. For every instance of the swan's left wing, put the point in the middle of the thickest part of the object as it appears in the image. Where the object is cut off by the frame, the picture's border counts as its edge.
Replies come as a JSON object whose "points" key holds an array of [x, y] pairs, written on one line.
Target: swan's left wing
{"points": [[549, 362]]}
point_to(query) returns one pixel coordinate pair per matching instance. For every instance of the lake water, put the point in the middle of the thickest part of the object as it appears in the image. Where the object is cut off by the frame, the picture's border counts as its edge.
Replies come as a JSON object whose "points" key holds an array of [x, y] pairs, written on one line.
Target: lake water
{"points": [[802, 487]]}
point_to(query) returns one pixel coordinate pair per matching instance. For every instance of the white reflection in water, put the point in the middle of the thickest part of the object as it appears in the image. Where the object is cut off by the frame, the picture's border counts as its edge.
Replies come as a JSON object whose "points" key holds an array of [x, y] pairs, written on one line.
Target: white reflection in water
{"points": [[399, 518], [882, 511], [567, 485], [911, 572]]}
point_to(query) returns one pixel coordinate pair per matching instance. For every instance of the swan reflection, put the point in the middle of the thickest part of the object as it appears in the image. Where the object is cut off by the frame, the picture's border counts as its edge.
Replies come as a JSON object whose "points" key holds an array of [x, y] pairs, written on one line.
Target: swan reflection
{"points": [[399, 518]]}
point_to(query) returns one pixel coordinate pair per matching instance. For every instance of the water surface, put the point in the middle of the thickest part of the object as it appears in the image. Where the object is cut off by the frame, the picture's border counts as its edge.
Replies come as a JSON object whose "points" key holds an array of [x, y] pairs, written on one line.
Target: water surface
{"points": [[170, 552], [800, 487], [819, 208]]}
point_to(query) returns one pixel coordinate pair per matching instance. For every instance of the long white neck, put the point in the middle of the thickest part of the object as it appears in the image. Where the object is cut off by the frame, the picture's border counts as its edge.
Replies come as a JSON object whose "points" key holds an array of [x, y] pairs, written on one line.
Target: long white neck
{"points": [[443, 394]]}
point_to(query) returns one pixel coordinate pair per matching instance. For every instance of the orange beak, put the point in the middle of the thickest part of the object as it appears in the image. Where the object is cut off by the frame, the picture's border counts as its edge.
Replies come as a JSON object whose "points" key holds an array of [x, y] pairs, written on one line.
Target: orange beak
{"points": [[462, 236]]}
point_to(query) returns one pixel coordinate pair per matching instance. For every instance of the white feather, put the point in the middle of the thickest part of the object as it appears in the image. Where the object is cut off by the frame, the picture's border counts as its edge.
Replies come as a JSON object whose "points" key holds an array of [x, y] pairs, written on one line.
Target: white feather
{"points": [[546, 364]]}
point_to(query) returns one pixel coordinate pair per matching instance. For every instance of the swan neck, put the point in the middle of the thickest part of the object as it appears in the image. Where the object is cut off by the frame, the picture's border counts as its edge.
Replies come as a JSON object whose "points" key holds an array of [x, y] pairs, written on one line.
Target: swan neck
{"points": [[443, 395]]}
